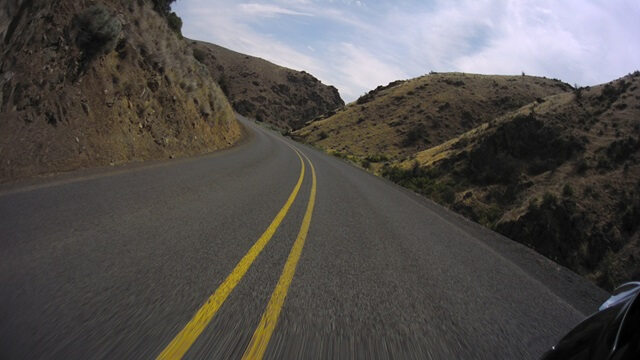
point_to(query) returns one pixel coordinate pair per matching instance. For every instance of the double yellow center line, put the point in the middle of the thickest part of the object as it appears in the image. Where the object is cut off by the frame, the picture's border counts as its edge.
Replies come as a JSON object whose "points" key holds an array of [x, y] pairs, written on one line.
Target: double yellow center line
{"points": [[258, 345]]}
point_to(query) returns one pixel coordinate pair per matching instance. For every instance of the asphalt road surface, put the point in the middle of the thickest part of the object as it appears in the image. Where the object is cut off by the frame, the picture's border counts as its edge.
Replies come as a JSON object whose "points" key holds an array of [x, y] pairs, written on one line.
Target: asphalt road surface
{"points": [[245, 253]]}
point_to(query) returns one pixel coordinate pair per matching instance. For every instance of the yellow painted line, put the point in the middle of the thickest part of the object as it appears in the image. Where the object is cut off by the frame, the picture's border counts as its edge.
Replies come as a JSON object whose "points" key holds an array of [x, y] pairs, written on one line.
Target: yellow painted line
{"points": [[262, 335], [183, 341]]}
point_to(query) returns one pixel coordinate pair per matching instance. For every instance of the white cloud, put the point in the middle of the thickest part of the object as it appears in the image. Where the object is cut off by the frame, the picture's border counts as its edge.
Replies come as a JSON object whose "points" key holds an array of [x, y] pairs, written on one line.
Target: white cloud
{"points": [[269, 10], [220, 25], [363, 44], [576, 41], [358, 70]]}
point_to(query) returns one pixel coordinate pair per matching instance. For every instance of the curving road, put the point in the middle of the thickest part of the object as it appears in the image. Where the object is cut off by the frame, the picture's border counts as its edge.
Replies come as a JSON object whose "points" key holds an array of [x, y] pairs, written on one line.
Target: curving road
{"points": [[193, 258]]}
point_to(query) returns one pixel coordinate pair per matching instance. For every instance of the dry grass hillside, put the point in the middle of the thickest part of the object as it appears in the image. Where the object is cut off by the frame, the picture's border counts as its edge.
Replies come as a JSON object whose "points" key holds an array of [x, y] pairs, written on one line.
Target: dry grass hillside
{"points": [[405, 117], [267, 92], [560, 175], [89, 83]]}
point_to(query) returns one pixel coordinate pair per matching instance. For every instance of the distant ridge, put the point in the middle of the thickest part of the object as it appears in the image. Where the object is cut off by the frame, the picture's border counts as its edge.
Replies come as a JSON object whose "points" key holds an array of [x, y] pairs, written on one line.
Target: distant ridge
{"points": [[267, 92]]}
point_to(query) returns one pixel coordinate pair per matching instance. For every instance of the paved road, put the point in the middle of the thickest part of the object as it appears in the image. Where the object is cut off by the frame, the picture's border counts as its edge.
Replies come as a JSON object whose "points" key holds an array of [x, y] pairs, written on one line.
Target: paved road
{"points": [[116, 264]]}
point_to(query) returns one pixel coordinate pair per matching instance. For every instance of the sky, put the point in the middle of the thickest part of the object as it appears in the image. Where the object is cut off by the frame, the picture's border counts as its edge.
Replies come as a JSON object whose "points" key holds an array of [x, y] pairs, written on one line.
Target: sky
{"points": [[358, 45]]}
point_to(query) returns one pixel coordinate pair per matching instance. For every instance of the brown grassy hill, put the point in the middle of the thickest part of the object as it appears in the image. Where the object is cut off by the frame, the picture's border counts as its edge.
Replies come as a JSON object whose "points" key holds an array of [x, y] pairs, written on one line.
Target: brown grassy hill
{"points": [[265, 91], [560, 175], [404, 117], [88, 83]]}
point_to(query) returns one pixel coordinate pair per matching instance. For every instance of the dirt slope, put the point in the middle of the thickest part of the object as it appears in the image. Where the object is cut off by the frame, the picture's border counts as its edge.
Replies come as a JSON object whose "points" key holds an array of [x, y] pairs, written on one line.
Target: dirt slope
{"points": [[259, 89], [89, 83]]}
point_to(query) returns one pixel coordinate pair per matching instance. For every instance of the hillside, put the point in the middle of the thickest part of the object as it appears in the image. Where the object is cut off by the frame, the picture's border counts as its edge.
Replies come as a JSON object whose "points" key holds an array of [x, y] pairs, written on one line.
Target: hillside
{"points": [[265, 91], [89, 83], [560, 175], [404, 117]]}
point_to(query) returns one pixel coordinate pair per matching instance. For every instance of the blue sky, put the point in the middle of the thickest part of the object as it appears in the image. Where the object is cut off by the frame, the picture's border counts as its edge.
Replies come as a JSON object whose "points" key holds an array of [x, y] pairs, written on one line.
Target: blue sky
{"points": [[358, 45]]}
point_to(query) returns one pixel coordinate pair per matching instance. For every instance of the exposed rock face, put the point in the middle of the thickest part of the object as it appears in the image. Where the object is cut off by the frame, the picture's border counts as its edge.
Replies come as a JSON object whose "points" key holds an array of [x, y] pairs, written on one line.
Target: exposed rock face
{"points": [[87, 83], [267, 92]]}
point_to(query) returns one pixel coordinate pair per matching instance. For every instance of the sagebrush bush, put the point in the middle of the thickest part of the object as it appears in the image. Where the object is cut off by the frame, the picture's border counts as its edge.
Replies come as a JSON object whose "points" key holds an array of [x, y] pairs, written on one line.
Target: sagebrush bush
{"points": [[98, 31], [567, 190]]}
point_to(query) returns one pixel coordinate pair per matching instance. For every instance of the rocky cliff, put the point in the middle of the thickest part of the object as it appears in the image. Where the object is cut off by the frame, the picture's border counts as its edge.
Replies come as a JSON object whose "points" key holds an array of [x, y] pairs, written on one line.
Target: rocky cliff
{"points": [[89, 83]]}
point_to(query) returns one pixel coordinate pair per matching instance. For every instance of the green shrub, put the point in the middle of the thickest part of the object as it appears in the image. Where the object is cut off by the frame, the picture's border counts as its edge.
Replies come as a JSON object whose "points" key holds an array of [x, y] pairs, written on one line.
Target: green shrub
{"points": [[377, 158], [323, 135], [467, 119], [223, 82], [577, 91], [604, 164], [364, 98], [339, 154], [549, 199], [175, 23], [608, 278], [447, 194], [488, 217], [503, 169], [416, 134], [611, 93], [423, 181], [581, 165], [163, 7], [98, 31], [567, 191], [199, 55], [631, 216], [537, 166]]}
